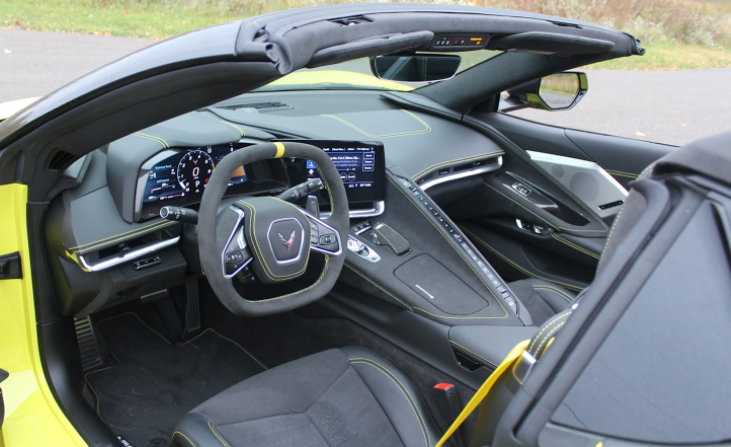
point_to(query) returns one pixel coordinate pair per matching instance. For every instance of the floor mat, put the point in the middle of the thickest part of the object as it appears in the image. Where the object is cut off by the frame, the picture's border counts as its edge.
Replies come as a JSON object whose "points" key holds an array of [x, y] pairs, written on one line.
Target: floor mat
{"points": [[155, 383]]}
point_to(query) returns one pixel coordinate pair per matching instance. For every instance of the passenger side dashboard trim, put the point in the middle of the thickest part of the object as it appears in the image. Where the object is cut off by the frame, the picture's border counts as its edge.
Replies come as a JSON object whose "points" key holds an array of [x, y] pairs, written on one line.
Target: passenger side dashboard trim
{"points": [[492, 167]]}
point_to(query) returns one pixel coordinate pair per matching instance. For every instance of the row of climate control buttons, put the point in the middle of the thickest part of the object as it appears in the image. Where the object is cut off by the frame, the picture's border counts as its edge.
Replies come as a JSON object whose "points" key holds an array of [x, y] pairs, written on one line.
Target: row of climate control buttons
{"points": [[491, 276]]}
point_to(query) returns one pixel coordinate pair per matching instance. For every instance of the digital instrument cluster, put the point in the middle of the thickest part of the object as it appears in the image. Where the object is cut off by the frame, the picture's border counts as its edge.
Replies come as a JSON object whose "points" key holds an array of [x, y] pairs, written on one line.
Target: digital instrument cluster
{"points": [[178, 177], [187, 173]]}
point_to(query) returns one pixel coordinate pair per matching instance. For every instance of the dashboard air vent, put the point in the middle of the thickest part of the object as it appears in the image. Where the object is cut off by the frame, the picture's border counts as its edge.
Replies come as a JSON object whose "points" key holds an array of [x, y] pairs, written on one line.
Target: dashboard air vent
{"points": [[60, 160], [350, 21]]}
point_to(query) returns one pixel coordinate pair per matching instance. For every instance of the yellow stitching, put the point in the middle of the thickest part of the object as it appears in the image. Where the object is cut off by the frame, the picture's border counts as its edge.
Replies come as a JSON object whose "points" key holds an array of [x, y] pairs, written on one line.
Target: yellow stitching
{"points": [[387, 241], [551, 326], [574, 246], [508, 145], [405, 391], [647, 169], [186, 438], [456, 160], [538, 348], [153, 138], [549, 223], [243, 134], [611, 232], [426, 129], [473, 353], [130, 233], [622, 174], [398, 188], [215, 432], [516, 266], [548, 345], [96, 396], [556, 291], [399, 234], [252, 236], [319, 280], [546, 326], [379, 287]]}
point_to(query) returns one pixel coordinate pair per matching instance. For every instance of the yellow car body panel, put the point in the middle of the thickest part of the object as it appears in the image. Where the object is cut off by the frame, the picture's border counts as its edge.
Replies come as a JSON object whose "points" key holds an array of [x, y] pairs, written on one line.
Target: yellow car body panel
{"points": [[32, 416], [324, 77], [9, 108]]}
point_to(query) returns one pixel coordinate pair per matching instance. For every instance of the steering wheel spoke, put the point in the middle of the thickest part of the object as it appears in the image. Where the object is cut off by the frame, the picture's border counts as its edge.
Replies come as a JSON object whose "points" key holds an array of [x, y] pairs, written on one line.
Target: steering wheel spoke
{"points": [[236, 254], [323, 237], [268, 235]]}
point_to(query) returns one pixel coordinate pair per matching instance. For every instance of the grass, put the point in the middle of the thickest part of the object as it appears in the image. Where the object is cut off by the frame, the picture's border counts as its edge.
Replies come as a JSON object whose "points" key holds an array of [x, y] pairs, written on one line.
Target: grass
{"points": [[670, 56], [678, 34]]}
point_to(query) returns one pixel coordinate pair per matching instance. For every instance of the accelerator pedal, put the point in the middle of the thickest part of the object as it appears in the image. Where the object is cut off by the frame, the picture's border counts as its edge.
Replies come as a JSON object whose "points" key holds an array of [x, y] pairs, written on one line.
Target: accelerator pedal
{"points": [[192, 323]]}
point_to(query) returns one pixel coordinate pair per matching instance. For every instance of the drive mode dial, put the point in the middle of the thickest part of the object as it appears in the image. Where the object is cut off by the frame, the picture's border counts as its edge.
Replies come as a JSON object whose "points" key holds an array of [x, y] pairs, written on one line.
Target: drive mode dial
{"points": [[194, 170]]}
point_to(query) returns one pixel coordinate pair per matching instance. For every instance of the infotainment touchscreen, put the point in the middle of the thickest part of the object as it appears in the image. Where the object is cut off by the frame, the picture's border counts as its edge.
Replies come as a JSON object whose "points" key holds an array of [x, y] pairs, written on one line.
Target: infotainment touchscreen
{"points": [[361, 166]]}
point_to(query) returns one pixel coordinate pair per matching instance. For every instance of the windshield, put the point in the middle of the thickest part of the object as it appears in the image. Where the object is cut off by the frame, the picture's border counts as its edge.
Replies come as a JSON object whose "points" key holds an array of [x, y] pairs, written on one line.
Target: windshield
{"points": [[356, 74]]}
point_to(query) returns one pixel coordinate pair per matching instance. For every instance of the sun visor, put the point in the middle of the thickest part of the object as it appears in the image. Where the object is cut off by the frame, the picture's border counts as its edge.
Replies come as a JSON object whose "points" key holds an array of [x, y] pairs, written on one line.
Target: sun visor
{"points": [[550, 43], [375, 46]]}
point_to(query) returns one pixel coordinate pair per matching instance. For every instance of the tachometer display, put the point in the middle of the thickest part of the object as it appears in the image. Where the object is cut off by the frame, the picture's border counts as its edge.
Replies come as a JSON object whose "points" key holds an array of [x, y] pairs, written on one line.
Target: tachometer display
{"points": [[178, 175], [194, 170]]}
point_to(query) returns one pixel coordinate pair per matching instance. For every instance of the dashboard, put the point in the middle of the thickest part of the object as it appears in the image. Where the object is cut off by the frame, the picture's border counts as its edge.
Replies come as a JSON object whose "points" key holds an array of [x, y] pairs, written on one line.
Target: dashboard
{"points": [[126, 251], [178, 177]]}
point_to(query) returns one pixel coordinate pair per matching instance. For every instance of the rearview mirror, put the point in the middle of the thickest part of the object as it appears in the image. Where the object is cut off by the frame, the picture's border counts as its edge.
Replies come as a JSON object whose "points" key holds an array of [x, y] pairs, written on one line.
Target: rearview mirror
{"points": [[560, 91], [415, 68]]}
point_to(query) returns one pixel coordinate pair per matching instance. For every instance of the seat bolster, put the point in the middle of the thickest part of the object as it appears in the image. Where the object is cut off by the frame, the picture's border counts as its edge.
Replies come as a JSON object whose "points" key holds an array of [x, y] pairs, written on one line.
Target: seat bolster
{"points": [[397, 395], [542, 299], [195, 430]]}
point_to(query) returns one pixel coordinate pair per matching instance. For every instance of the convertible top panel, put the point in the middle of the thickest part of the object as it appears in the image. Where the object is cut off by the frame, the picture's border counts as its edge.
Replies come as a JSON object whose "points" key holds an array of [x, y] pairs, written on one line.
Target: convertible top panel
{"points": [[275, 44]]}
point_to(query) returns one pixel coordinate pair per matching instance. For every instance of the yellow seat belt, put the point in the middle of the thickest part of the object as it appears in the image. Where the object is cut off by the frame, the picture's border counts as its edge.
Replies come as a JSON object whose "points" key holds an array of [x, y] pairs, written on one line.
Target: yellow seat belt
{"points": [[479, 396]]}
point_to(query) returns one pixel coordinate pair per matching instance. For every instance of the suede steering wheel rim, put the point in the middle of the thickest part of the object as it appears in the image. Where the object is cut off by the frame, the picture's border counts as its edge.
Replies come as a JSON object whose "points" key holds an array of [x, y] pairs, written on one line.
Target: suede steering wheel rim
{"points": [[219, 232]]}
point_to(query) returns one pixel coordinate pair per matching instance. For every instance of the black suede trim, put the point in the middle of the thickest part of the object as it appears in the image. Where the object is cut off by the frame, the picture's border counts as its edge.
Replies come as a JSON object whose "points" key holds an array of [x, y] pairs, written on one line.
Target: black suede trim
{"points": [[379, 404], [339, 219]]}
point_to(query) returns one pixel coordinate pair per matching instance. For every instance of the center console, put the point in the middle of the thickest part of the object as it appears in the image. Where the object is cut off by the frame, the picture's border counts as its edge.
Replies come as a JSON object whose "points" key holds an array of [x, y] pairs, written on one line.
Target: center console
{"points": [[417, 258]]}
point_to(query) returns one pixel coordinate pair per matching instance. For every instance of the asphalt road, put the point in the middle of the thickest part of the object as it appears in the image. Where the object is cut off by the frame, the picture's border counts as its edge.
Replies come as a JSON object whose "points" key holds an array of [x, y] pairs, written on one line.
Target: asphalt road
{"points": [[668, 107]]}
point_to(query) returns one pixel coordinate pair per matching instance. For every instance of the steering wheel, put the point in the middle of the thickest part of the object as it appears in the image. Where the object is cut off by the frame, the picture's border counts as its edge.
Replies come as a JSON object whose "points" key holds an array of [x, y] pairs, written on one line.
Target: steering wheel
{"points": [[273, 236]]}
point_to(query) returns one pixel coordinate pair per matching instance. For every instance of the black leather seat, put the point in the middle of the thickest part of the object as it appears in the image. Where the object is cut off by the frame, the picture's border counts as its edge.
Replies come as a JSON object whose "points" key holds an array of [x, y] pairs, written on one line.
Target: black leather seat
{"points": [[542, 299], [341, 397]]}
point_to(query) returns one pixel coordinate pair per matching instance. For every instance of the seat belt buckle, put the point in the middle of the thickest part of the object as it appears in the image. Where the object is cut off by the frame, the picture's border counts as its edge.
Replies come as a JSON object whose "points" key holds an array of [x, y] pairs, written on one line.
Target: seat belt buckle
{"points": [[448, 399]]}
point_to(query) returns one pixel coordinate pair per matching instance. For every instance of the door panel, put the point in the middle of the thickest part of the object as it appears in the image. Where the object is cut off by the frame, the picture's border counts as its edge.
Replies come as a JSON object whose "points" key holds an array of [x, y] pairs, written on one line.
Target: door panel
{"points": [[575, 185], [586, 179], [623, 158]]}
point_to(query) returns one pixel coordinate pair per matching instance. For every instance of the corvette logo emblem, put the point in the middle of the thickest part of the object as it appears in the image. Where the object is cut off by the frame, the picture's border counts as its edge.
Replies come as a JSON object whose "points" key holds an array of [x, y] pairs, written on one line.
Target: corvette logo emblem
{"points": [[285, 242]]}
